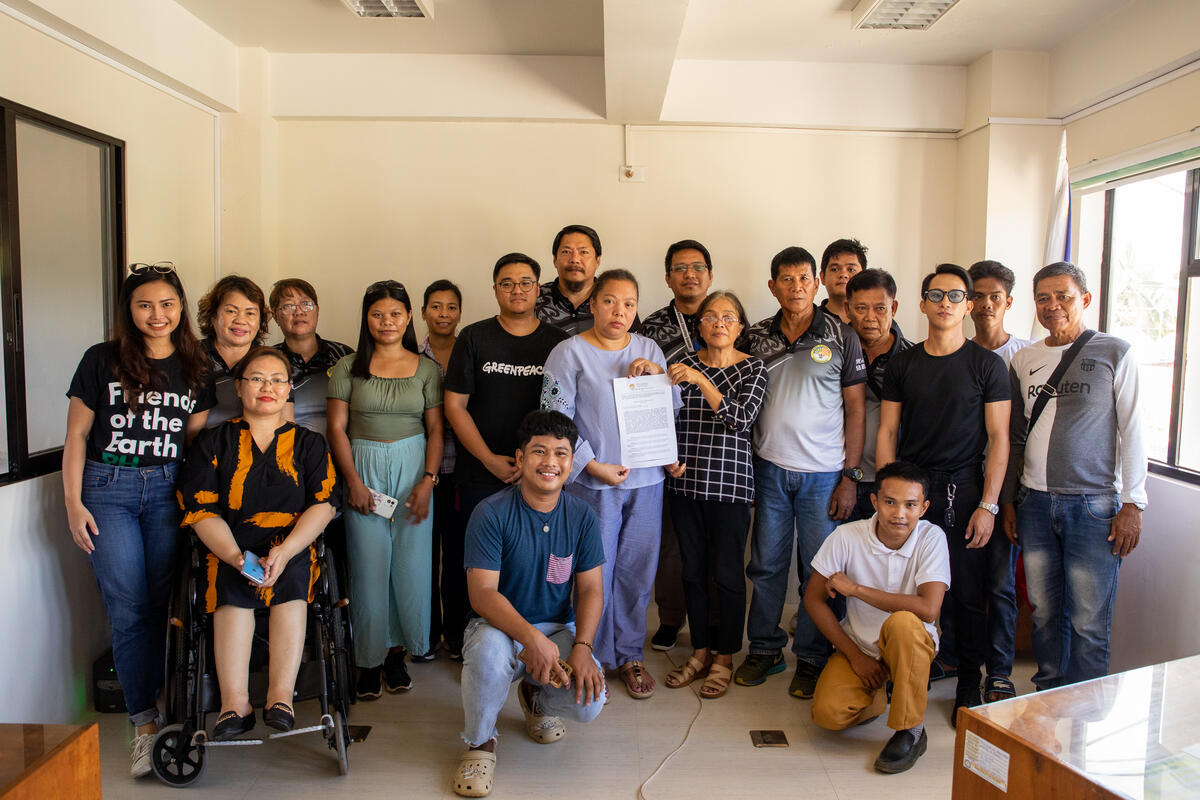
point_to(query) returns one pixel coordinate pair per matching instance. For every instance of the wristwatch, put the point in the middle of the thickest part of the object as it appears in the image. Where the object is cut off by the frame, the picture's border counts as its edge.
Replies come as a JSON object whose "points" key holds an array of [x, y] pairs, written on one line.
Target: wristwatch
{"points": [[853, 473], [992, 507], [433, 478]]}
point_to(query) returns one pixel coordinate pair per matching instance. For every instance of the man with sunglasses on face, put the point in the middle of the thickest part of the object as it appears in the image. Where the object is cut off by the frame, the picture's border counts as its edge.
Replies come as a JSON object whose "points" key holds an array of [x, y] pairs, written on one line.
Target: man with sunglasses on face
{"points": [[673, 328], [945, 404], [493, 380]]}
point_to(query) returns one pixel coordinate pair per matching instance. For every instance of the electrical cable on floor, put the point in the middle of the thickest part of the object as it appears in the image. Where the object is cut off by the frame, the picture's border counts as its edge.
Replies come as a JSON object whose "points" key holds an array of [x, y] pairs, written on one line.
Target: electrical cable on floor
{"points": [[686, 736]]}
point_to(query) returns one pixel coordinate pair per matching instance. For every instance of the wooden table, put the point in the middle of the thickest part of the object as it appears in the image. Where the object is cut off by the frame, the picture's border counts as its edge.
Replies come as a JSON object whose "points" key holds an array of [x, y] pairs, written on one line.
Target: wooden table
{"points": [[1131, 735], [38, 762]]}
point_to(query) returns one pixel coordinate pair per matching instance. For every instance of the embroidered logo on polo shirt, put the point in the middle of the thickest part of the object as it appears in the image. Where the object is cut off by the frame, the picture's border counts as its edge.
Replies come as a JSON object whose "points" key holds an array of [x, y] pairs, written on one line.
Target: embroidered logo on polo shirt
{"points": [[1087, 364], [821, 353]]}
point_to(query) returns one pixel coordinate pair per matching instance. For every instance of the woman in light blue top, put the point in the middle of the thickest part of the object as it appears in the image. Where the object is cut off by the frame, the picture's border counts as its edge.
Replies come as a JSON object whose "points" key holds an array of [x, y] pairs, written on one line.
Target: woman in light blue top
{"points": [[628, 502]]}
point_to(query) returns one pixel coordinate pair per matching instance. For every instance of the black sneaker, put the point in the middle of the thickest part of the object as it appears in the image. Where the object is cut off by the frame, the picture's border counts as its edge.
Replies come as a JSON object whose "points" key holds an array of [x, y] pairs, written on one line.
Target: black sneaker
{"points": [[424, 658], [757, 666], [395, 675], [901, 752], [804, 682], [665, 637], [455, 650], [369, 683]]}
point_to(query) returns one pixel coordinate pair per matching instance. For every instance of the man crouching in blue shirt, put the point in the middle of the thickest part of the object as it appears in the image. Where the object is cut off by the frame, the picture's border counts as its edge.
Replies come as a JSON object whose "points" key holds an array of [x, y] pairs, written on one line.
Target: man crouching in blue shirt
{"points": [[894, 570], [527, 547]]}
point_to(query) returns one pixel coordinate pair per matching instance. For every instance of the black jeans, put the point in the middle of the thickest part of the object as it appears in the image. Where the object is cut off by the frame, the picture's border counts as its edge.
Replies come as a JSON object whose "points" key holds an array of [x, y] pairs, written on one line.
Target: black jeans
{"points": [[968, 630], [713, 532], [448, 609]]}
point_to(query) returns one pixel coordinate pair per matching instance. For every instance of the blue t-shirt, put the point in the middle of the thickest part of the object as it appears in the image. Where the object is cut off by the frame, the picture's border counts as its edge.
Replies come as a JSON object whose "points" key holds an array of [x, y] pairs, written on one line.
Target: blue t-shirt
{"points": [[537, 554]]}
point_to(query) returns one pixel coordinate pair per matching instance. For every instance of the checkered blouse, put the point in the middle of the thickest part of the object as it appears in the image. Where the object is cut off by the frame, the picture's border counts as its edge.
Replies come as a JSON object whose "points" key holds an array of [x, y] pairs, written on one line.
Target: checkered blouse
{"points": [[715, 445]]}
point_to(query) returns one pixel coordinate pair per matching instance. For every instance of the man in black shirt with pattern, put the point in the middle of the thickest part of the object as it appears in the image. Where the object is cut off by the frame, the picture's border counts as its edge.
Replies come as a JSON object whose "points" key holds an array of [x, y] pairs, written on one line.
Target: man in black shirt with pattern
{"points": [[673, 328]]}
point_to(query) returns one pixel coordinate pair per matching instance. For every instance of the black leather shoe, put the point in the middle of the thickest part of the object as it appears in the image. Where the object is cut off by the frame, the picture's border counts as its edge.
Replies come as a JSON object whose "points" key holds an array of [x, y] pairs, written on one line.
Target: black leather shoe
{"points": [[901, 752], [230, 725], [279, 717]]}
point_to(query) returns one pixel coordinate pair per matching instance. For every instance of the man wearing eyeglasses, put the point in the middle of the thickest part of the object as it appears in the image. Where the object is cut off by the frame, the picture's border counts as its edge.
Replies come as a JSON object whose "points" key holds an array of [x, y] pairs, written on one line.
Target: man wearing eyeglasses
{"points": [[673, 328], [945, 404], [1076, 483], [494, 379]]}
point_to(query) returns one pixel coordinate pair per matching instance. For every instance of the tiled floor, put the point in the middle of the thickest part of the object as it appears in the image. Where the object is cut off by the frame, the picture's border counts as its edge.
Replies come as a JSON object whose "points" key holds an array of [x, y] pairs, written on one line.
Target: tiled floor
{"points": [[413, 748]]}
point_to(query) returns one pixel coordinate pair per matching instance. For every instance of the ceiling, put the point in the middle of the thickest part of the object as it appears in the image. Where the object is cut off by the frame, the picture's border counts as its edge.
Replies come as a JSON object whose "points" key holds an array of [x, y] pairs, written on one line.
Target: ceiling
{"points": [[745, 30], [458, 27]]}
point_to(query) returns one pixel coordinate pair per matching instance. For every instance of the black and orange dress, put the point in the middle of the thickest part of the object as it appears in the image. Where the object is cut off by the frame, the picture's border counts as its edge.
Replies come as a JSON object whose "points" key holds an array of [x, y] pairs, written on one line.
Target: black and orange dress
{"points": [[260, 494]]}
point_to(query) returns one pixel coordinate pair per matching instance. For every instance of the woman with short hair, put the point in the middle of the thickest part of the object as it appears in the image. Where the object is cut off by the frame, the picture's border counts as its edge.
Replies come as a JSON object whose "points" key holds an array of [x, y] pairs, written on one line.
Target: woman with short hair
{"points": [[233, 317], [258, 484]]}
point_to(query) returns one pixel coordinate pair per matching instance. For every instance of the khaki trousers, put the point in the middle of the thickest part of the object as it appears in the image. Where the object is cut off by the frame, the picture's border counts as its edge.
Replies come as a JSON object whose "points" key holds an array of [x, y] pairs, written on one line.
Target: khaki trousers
{"points": [[842, 699]]}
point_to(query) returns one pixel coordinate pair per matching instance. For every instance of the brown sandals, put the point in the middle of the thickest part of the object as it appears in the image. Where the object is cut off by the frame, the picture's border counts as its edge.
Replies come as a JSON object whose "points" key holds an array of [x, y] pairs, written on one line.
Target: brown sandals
{"points": [[692, 669], [717, 682], [638, 681]]}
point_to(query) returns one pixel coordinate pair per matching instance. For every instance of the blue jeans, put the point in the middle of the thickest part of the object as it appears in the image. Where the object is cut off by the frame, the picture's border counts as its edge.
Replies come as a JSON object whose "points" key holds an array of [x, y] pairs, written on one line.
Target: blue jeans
{"points": [[1071, 577], [1002, 603], [787, 502], [491, 665], [137, 517]]}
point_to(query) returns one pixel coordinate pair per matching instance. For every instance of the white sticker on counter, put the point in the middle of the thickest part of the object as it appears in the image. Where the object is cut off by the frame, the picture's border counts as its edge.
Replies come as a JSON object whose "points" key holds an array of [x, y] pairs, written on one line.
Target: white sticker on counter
{"points": [[986, 760]]}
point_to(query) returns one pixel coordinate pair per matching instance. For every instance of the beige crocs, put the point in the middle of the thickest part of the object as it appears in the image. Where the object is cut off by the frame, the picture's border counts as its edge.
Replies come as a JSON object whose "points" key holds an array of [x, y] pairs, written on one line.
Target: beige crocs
{"points": [[541, 728], [473, 778]]}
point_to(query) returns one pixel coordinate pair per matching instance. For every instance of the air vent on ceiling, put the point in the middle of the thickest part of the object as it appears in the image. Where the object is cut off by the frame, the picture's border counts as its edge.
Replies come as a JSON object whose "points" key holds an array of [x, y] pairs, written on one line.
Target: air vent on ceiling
{"points": [[419, 9], [913, 15]]}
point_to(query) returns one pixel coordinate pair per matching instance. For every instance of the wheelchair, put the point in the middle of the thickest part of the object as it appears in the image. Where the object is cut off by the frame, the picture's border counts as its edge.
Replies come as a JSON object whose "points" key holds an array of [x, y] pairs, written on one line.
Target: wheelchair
{"points": [[180, 752]]}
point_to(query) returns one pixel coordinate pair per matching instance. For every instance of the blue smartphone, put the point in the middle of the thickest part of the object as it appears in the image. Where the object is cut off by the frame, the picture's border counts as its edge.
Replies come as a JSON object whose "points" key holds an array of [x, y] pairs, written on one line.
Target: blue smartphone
{"points": [[252, 569]]}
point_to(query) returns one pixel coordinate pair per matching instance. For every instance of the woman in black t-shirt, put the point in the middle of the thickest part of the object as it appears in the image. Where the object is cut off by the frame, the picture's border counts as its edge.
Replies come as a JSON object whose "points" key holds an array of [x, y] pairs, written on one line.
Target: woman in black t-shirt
{"points": [[135, 401]]}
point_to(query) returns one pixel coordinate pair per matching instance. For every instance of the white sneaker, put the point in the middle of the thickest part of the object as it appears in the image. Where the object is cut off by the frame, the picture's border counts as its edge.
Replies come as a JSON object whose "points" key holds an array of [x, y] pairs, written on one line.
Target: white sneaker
{"points": [[139, 754]]}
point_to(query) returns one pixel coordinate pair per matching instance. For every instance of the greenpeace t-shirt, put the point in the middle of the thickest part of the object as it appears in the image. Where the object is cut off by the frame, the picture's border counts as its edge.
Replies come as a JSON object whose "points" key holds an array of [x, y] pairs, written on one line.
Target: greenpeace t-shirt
{"points": [[149, 437], [536, 553], [502, 374]]}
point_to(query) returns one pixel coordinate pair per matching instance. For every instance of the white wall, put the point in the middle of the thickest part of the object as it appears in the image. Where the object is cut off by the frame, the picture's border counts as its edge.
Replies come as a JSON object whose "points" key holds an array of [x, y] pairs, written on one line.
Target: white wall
{"points": [[362, 200], [52, 624], [1155, 617]]}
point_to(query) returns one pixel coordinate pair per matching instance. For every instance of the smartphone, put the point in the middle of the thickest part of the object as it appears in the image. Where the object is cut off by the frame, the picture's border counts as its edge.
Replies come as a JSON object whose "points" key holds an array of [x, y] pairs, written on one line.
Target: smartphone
{"points": [[385, 506], [769, 738], [252, 569]]}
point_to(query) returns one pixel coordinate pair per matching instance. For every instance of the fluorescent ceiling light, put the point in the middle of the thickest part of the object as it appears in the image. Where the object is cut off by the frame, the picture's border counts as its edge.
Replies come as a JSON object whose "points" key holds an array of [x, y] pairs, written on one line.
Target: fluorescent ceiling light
{"points": [[421, 9], [913, 15]]}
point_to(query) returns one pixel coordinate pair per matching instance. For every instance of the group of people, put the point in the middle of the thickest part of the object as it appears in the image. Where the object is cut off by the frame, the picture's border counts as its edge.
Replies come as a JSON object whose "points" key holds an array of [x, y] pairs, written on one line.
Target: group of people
{"points": [[476, 485]]}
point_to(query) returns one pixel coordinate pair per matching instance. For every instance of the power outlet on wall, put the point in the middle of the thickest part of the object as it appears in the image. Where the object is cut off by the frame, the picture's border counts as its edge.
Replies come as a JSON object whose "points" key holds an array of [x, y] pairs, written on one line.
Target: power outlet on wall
{"points": [[630, 174]]}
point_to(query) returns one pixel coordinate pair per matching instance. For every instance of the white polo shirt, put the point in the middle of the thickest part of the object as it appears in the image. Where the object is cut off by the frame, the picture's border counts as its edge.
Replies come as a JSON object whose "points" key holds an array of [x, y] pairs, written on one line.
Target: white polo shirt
{"points": [[854, 549]]}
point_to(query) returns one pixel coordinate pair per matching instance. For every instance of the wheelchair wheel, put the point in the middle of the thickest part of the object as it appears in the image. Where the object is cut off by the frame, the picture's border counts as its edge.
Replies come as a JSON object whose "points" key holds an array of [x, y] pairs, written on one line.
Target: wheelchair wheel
{"points": [[176, 761], [341, 735]]}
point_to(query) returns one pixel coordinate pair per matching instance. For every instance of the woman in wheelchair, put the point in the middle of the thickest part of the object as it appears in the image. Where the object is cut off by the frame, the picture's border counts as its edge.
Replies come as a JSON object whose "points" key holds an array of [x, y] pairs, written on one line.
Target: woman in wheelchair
{"points": [[261, 484]]}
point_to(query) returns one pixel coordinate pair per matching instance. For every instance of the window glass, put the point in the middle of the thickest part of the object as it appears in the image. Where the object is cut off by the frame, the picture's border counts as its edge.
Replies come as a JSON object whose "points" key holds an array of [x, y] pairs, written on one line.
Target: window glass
{"points": [[1147, 235], [62, 186]]}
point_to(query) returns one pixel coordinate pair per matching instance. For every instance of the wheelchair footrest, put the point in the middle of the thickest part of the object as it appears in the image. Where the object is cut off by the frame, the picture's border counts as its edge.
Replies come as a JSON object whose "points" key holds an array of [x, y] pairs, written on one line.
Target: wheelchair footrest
{"points": [[297, 731], [233, 743]]}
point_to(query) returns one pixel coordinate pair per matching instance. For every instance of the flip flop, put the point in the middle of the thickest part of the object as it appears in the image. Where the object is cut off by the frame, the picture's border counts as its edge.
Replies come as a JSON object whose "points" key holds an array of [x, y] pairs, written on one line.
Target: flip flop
{"points": [[997, 688]]}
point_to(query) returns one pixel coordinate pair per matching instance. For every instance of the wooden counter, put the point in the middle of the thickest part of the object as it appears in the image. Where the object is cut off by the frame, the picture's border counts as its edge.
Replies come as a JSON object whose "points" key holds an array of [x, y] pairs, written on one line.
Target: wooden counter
{"points": [[39, 762]]}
